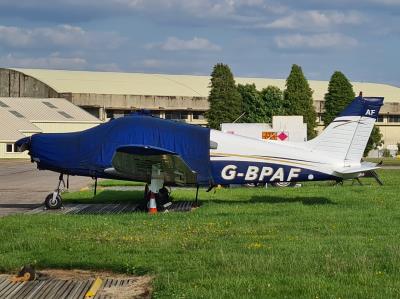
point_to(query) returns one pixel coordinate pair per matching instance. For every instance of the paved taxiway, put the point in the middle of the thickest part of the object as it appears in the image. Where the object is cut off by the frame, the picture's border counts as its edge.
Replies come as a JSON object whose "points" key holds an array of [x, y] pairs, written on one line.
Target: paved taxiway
{"points": [[23, 186]]}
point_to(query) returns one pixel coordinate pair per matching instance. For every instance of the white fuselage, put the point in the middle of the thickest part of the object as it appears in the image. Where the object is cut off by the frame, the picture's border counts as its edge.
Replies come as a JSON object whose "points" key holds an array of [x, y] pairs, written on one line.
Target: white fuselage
{"points": [[239, 159]]}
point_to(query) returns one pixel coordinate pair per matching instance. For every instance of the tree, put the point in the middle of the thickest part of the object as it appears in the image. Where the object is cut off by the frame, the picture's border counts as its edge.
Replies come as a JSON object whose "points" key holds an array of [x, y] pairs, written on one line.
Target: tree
{"points": [[340, 94], [374, 140], [253, 104], [225, 101], [297, 99], [273, 99]]}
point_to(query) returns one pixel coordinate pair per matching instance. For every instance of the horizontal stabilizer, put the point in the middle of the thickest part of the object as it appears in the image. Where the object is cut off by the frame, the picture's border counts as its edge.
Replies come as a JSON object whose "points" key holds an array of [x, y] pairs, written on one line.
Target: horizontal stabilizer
{"points": [[354, 171]]}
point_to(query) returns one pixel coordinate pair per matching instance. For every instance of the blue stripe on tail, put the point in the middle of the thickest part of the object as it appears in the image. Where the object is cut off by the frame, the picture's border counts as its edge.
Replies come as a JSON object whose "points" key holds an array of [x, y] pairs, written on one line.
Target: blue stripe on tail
{"points": [[368, 107]]}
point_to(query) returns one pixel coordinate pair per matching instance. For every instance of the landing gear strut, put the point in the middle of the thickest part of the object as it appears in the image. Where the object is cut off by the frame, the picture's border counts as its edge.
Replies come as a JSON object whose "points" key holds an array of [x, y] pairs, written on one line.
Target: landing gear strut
{"points": [[54, 200]]}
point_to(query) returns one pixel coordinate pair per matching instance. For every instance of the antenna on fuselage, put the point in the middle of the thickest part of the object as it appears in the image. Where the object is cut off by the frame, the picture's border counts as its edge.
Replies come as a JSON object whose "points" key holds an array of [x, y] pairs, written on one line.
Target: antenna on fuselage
{"points": [[241, 115]]}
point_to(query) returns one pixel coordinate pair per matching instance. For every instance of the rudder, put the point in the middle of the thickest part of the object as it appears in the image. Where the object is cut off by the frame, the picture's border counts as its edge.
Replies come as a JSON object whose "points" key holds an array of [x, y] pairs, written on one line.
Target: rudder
{"points": [[347, 136]]}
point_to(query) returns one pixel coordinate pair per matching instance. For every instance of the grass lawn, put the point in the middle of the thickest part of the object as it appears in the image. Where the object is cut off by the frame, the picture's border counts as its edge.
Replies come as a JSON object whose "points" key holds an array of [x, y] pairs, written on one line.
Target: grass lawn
{"points": [[317, 241]]}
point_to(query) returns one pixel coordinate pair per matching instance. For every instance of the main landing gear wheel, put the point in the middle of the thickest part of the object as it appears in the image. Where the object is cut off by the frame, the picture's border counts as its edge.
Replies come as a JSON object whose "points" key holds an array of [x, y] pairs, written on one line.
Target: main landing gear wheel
{"points": [[53, 202], [146, 193]]}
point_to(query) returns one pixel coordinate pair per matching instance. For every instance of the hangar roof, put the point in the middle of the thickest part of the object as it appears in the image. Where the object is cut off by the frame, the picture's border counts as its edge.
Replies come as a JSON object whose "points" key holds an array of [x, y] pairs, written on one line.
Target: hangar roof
{"points": [[11, 127], [175, 85], [50, 109], [17, 115]]}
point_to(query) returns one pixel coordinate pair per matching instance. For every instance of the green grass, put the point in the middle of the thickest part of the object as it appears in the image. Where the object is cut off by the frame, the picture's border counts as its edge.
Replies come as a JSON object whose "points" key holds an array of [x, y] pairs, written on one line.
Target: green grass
{"points": [[317, 241], [386, 161], [116, 183]]}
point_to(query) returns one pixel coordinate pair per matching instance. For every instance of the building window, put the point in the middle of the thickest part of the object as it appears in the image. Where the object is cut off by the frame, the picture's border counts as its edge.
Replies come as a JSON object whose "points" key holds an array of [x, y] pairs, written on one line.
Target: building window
{"points": [[394, 118], [92, 111], [11, 148], [16, 113], [50, 105], [109, 113], [4, 105], [198, 115], [128, 112], [176, 115], [155, 113], [65, 114], [379, 119], [118, 113]]}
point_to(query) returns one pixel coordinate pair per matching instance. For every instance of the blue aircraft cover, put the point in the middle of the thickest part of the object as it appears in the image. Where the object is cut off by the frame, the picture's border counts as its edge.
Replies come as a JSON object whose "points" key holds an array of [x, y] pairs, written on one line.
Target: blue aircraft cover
{"points": [[90, 152]]}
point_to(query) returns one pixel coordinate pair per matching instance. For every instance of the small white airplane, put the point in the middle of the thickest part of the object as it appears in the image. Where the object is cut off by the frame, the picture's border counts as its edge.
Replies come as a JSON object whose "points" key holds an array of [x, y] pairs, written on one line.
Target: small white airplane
{"points": [[168, 153]]}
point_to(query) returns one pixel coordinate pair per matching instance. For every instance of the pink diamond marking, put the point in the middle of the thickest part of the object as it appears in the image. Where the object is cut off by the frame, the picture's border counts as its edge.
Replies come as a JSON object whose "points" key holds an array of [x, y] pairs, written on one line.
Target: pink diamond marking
{"points": [[282, 136]]}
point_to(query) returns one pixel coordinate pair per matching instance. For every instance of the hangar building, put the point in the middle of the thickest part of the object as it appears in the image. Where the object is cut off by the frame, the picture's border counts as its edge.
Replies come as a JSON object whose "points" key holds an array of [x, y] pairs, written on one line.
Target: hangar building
{"points": [[21, 117], [183, 97]]}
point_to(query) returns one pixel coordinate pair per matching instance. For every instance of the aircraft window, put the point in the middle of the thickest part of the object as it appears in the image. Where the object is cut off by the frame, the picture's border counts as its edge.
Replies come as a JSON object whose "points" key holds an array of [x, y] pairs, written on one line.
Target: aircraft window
{"points": [[16, 113], [65, 114], [48, 104], [4, 105], [213, 145]]}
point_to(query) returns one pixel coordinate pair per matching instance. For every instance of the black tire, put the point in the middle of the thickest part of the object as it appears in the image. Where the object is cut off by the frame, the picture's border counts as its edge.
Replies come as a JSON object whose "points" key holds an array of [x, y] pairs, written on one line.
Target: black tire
{"points": [[53, 204], [283, 184], [146, 194], [163, 196]]}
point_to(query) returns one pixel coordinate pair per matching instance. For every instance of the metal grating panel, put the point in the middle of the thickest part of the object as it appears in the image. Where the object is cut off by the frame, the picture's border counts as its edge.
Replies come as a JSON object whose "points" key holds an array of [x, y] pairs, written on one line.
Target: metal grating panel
{"points": [[56, 288], [119, 208]]}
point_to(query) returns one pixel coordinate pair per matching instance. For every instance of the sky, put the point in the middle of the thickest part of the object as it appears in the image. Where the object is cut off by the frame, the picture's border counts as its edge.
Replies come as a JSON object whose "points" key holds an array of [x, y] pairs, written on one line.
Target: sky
{"points": [[256, 38]]}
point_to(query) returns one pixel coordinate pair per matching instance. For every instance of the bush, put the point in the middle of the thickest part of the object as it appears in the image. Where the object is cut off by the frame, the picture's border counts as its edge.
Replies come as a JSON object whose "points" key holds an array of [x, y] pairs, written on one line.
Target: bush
{"points": [[386, 153]]}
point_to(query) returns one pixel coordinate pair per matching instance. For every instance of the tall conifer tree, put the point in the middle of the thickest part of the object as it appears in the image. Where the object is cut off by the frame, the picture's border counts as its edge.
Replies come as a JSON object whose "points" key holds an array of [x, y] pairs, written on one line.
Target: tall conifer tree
{"points": [[225, 101], [253, 104], [273, 99], [340, 94], [297, 99]]}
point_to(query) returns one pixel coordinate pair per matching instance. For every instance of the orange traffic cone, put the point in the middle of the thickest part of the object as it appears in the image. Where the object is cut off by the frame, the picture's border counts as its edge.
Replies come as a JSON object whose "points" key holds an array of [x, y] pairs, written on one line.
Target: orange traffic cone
{"points": [[152, 203]]}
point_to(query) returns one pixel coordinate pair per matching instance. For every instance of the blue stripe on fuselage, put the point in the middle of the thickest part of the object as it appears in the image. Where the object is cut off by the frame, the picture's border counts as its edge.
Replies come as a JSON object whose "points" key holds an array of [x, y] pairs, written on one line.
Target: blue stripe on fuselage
{"points": [[244, 172]]}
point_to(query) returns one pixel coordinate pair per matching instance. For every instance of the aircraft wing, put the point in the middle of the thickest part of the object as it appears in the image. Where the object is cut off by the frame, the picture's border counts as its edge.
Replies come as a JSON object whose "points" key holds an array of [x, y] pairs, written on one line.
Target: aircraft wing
{"points": [[135, 162]]}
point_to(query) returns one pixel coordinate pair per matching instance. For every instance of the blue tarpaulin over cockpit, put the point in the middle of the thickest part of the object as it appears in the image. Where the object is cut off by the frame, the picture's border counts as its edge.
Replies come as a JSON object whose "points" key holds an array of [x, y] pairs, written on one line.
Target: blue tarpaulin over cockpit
{"points": [[90, 152]]}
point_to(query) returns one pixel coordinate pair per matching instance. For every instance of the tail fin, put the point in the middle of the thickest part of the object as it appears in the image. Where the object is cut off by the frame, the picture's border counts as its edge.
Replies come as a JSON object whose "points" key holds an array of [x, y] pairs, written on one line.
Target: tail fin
{"points": [[346, 137]]}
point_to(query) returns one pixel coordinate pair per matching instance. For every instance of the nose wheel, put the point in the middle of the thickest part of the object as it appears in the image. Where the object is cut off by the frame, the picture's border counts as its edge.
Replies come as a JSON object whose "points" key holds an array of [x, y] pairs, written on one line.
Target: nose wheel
{"points": [[53, 201]]}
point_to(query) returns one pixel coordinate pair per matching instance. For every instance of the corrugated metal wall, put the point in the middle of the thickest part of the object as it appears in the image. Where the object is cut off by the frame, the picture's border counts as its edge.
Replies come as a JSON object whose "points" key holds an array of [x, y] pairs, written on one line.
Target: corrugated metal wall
{"points": [[16, 84]]}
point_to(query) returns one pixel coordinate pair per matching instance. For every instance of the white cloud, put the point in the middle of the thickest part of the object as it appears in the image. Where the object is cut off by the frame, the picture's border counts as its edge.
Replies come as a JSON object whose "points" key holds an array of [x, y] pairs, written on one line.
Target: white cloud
{"points": [[194, 44], [58, 36], [53, 61], [314, 41], [314, 20]]}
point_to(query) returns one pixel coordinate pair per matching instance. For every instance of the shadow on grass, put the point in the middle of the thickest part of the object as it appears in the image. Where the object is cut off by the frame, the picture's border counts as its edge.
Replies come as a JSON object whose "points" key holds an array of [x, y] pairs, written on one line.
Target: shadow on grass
{"points": [[304, 200], [277, 200], [136, 197]]}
